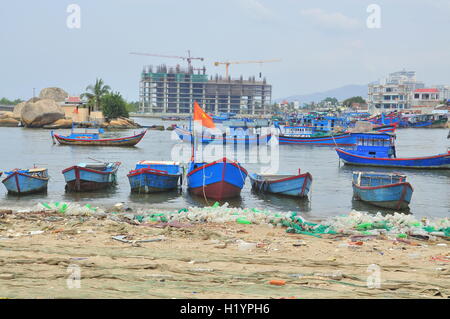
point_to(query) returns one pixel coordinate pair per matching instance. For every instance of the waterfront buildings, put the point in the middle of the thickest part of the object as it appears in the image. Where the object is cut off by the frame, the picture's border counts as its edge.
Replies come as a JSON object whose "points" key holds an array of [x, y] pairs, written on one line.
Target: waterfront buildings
{"points": [[393, 92], [401, 90], [173, 90]]}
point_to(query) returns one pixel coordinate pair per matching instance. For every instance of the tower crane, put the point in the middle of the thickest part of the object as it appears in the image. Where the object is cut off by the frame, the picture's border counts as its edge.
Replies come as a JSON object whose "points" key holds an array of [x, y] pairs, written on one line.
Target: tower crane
{"points": [[188, 58], [227, 63]]}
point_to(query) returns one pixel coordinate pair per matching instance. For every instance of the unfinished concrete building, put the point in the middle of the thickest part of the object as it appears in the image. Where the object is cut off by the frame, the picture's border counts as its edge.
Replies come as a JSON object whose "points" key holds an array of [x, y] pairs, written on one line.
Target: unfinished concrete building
{"points": [[173, 91]]}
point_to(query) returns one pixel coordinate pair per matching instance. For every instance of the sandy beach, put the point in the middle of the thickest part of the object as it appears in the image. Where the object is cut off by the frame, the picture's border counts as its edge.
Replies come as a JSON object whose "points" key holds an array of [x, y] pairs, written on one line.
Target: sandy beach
{"points": [[40, 252]]}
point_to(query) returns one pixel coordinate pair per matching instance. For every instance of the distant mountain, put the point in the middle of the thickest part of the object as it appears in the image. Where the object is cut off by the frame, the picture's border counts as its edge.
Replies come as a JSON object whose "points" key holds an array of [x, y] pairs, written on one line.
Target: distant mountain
{"points": [[340, 93]]}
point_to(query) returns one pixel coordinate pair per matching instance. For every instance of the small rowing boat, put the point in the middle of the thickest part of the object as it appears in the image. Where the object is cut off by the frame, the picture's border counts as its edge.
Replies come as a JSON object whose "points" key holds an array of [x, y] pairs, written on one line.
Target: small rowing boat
{"points": [[217, 180], [90, 136], [290, 185], [151, 177], [26, 181], [388, 190], [91, 176]]}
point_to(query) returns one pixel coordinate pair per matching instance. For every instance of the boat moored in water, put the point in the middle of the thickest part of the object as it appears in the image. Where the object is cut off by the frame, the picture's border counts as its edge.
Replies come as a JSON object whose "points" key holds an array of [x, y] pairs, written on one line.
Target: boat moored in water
{"points": [[388, 190], [221, 179], [290, 185], [151, 176], [238, 138], [26, 181], [90, 136], [91, 176], [378, 149]]}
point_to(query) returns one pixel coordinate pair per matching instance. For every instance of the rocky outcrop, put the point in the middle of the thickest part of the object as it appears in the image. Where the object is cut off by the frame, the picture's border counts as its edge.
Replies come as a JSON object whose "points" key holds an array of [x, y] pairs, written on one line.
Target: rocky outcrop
{"points": [[18, 110], [120, 123], [9, 122], [53, 93], [62, 123], [6, 114], [41, 112]]}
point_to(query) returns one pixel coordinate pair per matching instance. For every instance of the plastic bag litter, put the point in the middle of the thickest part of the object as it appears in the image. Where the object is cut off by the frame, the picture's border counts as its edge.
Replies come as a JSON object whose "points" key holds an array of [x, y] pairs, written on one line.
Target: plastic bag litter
{"points": [[70, 208]]}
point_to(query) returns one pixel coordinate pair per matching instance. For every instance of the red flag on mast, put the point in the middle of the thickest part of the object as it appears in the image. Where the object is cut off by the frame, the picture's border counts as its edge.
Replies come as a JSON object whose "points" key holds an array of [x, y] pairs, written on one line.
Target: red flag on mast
{"points": [[202, 117]]}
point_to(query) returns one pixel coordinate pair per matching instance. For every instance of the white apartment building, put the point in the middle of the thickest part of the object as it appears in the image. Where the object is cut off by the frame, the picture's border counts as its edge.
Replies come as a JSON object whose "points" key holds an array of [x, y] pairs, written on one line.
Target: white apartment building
{"points": [[393, 92]]}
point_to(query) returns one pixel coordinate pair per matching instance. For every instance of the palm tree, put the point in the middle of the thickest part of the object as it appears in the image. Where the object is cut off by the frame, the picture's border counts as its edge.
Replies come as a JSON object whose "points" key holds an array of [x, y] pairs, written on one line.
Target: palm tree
{"points": [[95, 92]]}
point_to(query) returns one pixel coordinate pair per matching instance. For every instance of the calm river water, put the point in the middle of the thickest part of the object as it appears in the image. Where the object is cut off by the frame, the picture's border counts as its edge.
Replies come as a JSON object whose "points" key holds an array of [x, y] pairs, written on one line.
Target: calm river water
{"points": [[331, 190]]}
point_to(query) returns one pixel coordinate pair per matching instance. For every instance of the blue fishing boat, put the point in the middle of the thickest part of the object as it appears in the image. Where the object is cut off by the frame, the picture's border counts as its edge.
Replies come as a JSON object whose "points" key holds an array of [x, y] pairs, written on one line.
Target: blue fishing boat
{"points": [[382, 189], [343, 139], [151, 177], [26, 181], [234, 137], [90, 136], [217, 180], [290, 185], [378, 149], [91, 176]]}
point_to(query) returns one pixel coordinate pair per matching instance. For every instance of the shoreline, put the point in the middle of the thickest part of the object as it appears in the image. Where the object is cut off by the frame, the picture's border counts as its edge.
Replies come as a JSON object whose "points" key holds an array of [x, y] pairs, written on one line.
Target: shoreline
{"points": [[122, 257]]}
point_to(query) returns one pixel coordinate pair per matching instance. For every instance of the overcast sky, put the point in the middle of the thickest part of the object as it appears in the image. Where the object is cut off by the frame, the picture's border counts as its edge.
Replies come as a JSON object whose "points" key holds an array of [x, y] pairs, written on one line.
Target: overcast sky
{"points": [[322, 44]]}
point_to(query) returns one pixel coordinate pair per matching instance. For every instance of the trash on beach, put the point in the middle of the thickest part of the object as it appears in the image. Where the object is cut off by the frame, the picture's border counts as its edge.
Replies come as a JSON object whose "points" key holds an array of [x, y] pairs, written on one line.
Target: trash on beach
{"points": [[440, 258], [36, 232], [122, 238], [277, 282], [242, 245], [68, 208]]}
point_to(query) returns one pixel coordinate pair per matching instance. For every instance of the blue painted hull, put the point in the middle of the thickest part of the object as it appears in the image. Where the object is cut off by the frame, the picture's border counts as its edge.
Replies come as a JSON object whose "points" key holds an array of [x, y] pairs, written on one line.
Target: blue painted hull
{"points": [[218, 180], [393, 196], [441, 161], [147, 182], [186, 136], [22, 184], [82, 179], [421, 124], [336, 140], [297, 186]]}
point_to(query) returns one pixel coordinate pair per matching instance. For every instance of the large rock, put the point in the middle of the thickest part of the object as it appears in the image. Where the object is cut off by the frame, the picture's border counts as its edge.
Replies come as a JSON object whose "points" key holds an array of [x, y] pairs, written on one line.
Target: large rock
{"points": [[6, 114], [120, 123], [9, 122], [40, 113], [57, 94], [18, 110], [62, 123]]}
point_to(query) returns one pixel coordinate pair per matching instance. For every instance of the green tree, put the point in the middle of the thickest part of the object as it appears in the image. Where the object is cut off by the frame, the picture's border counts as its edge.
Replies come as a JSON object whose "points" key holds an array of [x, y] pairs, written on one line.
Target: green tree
{"points": [[132, 107], [113, 105], [94, 94], [332, 100], [5, 101], [354, 99]]}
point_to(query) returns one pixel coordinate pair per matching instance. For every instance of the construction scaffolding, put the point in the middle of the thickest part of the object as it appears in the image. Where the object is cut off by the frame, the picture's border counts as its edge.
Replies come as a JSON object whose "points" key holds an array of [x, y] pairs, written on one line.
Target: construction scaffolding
{"points": [[173, 90]]}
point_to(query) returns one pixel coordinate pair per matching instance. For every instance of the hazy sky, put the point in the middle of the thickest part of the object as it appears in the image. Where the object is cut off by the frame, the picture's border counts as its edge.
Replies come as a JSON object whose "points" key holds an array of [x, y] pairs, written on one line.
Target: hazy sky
{"points": [[322, 44]]}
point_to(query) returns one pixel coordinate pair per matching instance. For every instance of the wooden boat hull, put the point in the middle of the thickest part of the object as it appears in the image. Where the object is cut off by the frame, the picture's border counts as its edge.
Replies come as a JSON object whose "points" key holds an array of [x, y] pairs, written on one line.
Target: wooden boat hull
{"points": [[392, 196], [336, 140], [151, 181], [218, 180], [186, 136], [121, 141], [23, 184], [441, 161], [81, 179], [295, 185]]}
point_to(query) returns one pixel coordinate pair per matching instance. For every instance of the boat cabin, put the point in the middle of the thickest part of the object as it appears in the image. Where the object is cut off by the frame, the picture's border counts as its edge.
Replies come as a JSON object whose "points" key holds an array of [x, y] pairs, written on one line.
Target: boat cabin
{"points": [[373, 179], [297, 131], [377, 145], [88, 130]]}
